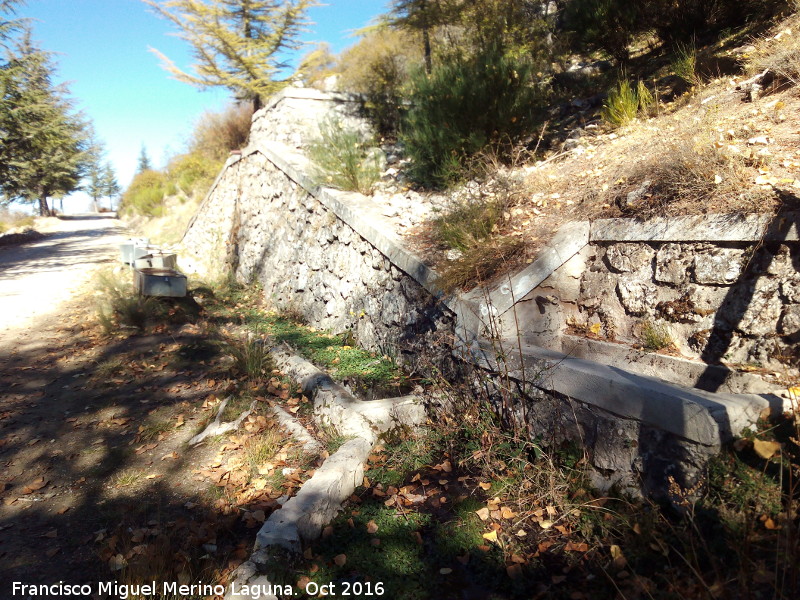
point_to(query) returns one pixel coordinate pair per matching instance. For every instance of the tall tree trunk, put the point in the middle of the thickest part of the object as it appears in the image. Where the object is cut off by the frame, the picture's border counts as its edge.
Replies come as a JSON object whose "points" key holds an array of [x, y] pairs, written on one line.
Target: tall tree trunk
{"points": [[426, 41], [44, 210]]}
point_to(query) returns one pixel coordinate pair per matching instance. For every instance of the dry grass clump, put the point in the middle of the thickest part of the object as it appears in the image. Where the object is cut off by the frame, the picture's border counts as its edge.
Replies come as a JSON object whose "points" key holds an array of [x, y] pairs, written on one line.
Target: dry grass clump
{"points": [[779, 54], [10, 219], [481, 263], [216, 134], [476, 227], [687, 176]]}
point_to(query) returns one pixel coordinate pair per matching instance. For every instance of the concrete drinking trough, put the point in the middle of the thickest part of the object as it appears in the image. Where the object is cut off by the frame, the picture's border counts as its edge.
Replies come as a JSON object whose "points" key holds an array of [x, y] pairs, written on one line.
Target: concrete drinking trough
{"points": [[136, 248], [154, 271], [159, 282], [156, 260]]}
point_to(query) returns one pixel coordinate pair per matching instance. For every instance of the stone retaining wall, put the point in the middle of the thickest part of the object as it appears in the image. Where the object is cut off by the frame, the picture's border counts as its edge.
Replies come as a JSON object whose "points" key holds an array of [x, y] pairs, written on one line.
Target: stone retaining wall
{"points": [[332, 257], [722, 290], [311, 262]]}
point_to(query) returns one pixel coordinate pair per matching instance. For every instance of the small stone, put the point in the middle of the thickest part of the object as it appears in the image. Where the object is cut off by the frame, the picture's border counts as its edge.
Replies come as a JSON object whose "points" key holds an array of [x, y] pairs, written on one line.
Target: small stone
{"points": [[636, 296], [721, 266], [790, 321]]}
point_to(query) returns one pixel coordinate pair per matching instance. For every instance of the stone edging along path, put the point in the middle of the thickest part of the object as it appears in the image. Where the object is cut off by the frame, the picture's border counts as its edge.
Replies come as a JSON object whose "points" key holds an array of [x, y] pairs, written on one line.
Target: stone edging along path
{"points": [[302, 517]]}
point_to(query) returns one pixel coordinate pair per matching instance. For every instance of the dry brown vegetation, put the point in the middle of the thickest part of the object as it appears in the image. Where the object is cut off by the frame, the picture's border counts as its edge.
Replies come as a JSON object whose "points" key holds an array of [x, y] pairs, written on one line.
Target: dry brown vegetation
{"points": [[710, 149]]}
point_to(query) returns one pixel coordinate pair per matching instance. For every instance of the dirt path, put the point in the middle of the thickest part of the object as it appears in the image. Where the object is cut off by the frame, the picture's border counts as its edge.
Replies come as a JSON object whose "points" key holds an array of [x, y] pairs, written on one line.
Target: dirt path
{"points": [[38, 277], [97, 483]]}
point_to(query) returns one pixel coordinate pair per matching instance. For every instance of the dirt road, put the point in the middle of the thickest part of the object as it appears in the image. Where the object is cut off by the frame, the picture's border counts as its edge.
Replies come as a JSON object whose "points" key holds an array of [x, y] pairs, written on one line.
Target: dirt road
{"points": [[38, 277], [97, 482]]}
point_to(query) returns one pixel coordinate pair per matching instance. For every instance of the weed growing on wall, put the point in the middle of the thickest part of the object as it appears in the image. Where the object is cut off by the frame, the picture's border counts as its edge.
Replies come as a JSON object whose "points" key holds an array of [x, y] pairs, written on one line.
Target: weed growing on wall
{"points": [[345, 159]]}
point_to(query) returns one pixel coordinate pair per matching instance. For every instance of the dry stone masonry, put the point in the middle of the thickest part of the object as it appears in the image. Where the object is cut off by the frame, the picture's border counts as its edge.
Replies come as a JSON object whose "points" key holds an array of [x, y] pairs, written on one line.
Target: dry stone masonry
{"points": [[723, 289]]}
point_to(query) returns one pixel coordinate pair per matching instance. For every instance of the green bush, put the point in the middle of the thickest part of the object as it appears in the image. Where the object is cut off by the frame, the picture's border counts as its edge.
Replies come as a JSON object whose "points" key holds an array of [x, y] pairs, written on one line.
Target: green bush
{"points": [[344, 158], [464, 105], [608, 25], [145, 195], [625, 101], [611, 25], [378, 67], [192, 172]]}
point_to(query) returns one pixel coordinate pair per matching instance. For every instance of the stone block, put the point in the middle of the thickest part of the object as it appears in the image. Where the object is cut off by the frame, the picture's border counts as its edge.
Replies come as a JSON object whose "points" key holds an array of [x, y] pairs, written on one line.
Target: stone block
{"points": [[637, 296], [752, 307], [790, 290], [596, 287], [627, 258], [790, 320], [672, 264], [721, 266], [394, 309]]}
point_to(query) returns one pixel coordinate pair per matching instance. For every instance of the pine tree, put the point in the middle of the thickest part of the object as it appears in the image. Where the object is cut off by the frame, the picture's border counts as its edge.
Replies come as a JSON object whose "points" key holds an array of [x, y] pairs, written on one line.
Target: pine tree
{"points": [[423, 16], [143, 163], [238, 44], [7, 24], [111, 188], [94, 172], [43, 142]]}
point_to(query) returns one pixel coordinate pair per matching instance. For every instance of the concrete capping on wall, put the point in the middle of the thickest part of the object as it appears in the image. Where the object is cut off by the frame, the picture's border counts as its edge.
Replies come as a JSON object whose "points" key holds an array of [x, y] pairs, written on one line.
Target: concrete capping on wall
{"points": [[232, 160], [566, 243], [699, 228], [305, 94], [702, 417], [676, 369]]}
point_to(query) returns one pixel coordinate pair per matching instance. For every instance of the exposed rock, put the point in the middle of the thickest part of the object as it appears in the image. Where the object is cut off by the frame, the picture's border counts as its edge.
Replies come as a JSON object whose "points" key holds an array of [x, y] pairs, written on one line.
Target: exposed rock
{"points": [[627, 258], [672, 264], [721, 266]]}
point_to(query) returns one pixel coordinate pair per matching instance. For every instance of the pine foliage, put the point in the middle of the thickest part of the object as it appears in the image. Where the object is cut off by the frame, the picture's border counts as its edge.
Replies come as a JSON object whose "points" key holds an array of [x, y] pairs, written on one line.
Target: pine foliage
{"points": [[43, 140], [237, 44]]}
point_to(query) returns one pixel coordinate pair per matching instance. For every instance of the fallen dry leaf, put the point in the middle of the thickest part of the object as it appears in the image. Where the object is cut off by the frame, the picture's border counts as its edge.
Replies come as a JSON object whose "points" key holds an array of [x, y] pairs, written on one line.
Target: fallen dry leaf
{"points": [[35, 485], [764, 449], [573, 547], [483, 513], [490, 537], [117, 562], [340, 560], [514, 571], [507, 513], [372, 527]]}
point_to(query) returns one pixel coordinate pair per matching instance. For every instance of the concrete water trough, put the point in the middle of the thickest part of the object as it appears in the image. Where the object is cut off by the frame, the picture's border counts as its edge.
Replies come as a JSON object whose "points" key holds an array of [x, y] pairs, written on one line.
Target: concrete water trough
{"points": [[159, 282], [132, 249], [156, 260]]}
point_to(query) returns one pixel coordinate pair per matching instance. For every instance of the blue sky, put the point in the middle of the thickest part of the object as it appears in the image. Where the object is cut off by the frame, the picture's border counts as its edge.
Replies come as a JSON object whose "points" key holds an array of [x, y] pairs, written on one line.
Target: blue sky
{"points": [[101, 48]]}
